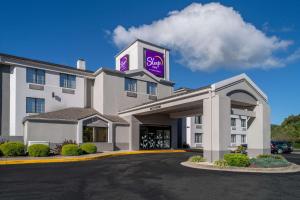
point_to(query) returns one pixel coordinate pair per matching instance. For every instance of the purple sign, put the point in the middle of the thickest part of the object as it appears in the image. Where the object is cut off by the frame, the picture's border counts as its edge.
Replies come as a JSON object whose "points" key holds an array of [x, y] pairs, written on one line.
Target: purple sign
{"points": [[154, 62], [124, 63]]}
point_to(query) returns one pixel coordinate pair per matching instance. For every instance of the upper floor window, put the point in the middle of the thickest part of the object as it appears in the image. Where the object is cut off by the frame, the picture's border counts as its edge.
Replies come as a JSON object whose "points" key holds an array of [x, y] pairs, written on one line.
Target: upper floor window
{"points": [[198, 138], [67, 81], [130, 84], [233, 122], [151, 88], [243, 123], [35, 76], [35, 105], [198, 119]]}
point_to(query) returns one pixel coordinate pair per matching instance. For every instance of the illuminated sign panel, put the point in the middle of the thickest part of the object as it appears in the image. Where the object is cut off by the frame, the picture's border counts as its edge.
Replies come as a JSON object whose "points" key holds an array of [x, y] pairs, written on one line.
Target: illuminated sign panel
{"points": [[154, 62]]}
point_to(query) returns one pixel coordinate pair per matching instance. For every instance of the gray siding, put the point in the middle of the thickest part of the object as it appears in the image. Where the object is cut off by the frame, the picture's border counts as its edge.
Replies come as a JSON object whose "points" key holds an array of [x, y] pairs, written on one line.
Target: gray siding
{"points": [[115, 97], [4, 100], [89, 93], [52, 132], [121, 137]]}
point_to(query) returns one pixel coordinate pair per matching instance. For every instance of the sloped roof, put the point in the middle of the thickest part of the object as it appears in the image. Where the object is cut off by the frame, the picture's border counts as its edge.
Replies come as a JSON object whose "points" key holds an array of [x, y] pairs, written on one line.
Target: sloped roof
{"points": [[73, 115]]}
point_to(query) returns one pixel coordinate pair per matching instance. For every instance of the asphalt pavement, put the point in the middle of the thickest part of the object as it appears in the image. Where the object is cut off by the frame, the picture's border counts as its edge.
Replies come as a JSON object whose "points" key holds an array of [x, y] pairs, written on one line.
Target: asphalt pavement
{"points": [[149, 176]]}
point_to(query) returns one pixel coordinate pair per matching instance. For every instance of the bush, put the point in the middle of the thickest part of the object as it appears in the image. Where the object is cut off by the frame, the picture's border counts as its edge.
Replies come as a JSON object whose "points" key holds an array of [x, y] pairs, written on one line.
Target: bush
{"points": [[12, 149], [39, 150], [197, 159], [58, 147], [270, 156], [71, 150], [221, 163], [241, 149], [269, 161], [88, 148], [237, 160]]}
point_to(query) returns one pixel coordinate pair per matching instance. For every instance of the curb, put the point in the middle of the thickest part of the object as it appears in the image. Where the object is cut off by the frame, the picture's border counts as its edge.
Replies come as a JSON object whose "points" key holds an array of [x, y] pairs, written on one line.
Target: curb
{"points": [[293, 168], [85, 158]]}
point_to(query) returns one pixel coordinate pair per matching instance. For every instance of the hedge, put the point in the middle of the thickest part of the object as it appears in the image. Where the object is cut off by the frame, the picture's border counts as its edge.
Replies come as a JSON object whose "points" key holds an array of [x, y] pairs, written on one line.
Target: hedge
{"points": [[71, 150], [237, 160], [12, 149], [88, 148], [39, 150], [197, 159]]}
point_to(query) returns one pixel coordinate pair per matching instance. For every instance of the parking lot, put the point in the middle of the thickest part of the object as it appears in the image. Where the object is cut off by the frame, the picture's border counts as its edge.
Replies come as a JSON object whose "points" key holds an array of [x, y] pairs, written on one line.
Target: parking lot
{"points": [[151, 176]]}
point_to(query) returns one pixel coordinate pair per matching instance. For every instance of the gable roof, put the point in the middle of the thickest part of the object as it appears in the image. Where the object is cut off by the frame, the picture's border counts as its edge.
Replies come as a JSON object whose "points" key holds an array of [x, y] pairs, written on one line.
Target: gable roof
{"points": [[74, 114], [217, 86]]}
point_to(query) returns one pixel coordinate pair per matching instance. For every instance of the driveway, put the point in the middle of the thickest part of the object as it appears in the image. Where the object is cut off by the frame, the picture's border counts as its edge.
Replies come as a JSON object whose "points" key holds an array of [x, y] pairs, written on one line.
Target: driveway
{"points": [[150, 176]]}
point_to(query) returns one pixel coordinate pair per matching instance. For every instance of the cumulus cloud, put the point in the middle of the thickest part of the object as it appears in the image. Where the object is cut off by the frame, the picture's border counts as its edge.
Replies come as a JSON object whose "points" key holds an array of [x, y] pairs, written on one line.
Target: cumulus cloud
{"points": [[208, 37]]}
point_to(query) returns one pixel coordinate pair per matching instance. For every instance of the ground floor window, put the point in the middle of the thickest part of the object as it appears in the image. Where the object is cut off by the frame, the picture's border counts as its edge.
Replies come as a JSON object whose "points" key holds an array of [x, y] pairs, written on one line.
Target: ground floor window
{"points": [[243, 139], [233, 138], [198, 138], [95, 134]]}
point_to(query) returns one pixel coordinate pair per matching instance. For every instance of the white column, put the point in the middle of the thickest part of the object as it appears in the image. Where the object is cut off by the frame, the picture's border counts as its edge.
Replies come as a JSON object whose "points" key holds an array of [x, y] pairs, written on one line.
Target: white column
{"points": [[216, 127], [79, 132], [259, 132]]}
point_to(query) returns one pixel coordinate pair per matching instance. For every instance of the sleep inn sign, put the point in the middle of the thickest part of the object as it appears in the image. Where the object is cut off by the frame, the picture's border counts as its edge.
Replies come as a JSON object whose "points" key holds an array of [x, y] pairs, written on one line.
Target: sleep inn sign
{"points": [[131, 107]]}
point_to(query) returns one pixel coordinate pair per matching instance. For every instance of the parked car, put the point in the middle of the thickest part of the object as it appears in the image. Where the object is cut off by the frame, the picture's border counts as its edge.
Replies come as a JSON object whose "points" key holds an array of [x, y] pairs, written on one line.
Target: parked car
{"points": [[281, 147]]}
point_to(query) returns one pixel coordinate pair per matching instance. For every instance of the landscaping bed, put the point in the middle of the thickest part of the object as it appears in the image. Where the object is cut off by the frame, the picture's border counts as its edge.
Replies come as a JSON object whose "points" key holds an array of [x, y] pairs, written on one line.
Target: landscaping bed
{"points": [[11, 149], [242, 163]]}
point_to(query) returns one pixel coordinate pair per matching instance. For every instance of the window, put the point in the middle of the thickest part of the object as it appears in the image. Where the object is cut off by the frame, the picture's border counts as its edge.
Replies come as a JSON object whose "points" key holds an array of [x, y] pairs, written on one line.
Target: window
{"points": [[243, 123], [198, 138], [243, 139], [233, 122], [198, 119], [130, 85], [95, 134], [67, 81], [151, 88], [35, 105], [35, 76], [233, 138]]}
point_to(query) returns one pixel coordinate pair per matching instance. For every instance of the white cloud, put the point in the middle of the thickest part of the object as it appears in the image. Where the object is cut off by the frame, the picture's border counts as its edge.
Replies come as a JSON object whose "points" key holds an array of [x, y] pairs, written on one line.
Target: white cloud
{"points": [[208, 37]]}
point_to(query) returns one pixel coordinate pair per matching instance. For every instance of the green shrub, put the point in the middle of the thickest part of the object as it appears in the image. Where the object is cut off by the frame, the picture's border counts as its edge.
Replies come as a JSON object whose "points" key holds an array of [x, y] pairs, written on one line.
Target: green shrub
{"points": [[71, 150], [237, 160], [12, 149], [221, 163], [197, 159], [270, 156], [58, 147], [88, 148], [240, 149], [269, 161], [39, 150]]}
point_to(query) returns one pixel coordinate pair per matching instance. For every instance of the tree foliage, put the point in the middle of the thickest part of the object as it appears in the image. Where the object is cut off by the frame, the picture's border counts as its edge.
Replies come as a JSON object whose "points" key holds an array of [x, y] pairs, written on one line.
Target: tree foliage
{"points": [[288, 130]]}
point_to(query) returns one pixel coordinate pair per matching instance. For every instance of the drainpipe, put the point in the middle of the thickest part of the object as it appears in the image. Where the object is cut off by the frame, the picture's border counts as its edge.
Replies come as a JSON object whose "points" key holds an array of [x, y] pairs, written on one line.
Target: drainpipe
{"points": [[211, 118]]}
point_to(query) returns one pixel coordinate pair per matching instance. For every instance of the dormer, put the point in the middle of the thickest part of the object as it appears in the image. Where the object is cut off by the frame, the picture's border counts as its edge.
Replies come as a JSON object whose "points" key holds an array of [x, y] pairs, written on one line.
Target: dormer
{"points": [[142, 55]]}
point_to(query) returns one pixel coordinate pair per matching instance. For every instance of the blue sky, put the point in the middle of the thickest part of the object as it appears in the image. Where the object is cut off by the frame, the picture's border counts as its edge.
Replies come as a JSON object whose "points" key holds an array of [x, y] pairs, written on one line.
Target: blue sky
{"points": [[63, 31]]}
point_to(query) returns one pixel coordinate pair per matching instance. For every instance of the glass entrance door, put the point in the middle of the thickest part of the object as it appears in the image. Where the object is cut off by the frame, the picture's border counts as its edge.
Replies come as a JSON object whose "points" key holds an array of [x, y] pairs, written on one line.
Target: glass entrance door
{"points": [[155, 137]]}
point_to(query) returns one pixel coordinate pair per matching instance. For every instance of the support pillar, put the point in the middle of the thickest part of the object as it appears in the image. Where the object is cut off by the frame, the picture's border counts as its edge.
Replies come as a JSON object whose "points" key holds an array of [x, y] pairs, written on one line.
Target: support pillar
{"points": [[216, 127], [259, 132]]}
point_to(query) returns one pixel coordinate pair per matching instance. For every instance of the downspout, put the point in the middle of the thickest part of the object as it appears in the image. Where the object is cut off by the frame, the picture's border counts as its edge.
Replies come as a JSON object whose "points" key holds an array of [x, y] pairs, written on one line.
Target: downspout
{"points": [[211, 118]]}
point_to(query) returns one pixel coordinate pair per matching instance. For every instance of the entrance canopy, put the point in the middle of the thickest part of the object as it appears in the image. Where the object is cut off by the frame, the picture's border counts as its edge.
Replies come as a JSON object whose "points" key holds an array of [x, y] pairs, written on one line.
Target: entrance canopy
{"points": [[177, 106]]}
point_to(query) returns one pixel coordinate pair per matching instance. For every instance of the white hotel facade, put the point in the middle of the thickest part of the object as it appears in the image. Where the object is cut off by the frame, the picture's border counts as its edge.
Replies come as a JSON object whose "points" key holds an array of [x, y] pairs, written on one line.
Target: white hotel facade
{"points": [[132, 107]]}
